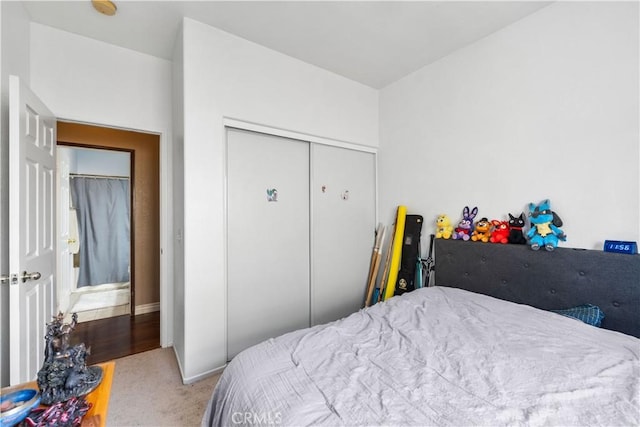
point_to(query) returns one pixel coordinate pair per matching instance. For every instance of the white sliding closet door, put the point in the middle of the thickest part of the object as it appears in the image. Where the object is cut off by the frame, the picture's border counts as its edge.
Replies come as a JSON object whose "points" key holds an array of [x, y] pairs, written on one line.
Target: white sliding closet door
{"points": [[343, 230], [268, 239]]}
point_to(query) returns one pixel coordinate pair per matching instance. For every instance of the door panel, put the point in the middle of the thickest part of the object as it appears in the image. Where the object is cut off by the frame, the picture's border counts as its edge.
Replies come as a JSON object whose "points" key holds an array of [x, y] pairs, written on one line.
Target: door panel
{"points": [[31, 228], [343, 230], [268, 241]]}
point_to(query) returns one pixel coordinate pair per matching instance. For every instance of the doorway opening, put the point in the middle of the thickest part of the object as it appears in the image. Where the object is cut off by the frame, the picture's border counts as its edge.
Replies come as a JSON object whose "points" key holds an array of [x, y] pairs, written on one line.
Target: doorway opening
{"points": [[97, 259], [135, 290]]}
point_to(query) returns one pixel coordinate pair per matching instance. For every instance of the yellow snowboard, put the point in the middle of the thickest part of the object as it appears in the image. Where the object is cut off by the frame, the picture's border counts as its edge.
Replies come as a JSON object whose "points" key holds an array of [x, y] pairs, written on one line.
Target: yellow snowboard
{"points": [[396, 254]]}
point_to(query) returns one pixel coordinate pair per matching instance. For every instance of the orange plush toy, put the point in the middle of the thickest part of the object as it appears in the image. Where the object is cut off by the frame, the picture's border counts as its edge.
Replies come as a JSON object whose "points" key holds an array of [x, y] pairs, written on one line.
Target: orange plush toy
{"points": [[482, 231], [500, 233]]}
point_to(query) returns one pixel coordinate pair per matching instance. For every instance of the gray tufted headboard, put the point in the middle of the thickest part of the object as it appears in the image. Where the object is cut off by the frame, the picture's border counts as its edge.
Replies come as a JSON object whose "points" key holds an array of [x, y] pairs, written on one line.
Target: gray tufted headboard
{"points": [[547, 280]]}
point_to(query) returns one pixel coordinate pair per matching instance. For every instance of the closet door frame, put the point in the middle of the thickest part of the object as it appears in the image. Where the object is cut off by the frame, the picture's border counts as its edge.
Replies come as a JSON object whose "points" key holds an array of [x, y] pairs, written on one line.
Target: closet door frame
{"points": [[232, 123]]}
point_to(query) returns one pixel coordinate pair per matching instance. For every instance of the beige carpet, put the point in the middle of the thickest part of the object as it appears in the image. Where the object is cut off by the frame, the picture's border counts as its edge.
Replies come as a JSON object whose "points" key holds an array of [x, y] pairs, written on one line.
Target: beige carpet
{"points": [[147, 391]]}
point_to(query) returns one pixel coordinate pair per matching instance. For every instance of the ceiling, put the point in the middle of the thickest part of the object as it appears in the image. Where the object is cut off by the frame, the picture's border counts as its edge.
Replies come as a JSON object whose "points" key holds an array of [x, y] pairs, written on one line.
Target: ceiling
{"points": [[372, 42]]}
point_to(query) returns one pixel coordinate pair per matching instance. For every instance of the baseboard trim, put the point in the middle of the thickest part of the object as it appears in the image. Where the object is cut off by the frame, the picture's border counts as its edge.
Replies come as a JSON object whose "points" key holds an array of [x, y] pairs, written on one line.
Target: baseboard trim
{"points": [[202, 376], [100, 313], [195, 378], [147, 308]]}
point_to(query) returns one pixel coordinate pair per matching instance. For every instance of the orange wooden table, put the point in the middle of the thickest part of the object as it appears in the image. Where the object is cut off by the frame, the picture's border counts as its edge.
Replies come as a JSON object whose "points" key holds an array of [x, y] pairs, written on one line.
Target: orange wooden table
{"points": [[99, 398]]}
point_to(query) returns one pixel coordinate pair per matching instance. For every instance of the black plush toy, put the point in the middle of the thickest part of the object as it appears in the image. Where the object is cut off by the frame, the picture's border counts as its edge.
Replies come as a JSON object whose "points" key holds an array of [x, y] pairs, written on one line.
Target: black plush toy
{"points": [[516, 224]]}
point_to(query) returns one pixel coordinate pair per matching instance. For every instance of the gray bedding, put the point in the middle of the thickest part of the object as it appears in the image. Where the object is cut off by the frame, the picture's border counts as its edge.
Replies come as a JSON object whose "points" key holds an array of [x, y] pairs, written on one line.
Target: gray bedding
{"points": [[438, 356]]}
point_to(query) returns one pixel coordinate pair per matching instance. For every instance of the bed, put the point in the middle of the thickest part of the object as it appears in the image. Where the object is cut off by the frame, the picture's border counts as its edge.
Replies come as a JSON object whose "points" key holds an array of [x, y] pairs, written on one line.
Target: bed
{"points": [[482, 347]]}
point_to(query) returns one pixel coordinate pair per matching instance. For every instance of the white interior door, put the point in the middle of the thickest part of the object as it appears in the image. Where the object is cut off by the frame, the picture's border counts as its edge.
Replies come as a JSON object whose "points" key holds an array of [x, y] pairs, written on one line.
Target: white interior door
{"points": [[267, 237], [343, 222], [32, 244]]}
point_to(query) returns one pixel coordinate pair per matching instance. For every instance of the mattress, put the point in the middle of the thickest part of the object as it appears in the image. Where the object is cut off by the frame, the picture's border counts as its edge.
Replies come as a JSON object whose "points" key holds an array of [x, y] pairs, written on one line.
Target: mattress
{"points": [[436, 356]]}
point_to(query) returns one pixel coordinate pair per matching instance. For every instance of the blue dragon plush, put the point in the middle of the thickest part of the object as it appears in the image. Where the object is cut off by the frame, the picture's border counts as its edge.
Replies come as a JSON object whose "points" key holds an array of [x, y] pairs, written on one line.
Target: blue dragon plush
{"points": [[545, 225]]}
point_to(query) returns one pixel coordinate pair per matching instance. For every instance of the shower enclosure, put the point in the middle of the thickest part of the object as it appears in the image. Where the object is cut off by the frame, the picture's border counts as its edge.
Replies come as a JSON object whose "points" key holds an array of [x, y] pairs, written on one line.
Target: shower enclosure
{"points": [[96, 184]]}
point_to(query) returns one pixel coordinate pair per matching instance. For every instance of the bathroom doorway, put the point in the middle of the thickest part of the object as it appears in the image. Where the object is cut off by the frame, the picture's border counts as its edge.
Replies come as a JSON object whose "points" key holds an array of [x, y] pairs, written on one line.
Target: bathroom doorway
{"points": [[96, 183], [141, 293]]}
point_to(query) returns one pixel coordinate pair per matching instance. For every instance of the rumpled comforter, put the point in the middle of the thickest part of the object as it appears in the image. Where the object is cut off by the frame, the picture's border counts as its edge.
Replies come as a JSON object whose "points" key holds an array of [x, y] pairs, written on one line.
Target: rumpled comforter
{"points": [[437, 356]]}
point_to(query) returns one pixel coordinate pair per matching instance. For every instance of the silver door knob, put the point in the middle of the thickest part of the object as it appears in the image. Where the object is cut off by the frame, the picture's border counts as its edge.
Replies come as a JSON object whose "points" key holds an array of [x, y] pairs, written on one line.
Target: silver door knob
{"points": [[30, 276]]}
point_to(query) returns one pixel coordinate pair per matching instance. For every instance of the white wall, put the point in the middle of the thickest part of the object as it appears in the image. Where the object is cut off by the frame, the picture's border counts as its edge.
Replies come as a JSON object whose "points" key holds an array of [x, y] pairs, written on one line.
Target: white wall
{"points": [[178, 196], [225, 76], [85, 80], [99, 162], [545, 108], [14, 59]]}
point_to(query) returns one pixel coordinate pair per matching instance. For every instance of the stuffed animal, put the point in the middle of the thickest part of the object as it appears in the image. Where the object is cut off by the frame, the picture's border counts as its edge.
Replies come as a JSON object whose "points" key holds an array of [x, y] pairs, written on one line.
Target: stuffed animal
{"points": [[482, 231], [500, 233], [516, 224], [465, 226], [443, 227], [545, 225]]}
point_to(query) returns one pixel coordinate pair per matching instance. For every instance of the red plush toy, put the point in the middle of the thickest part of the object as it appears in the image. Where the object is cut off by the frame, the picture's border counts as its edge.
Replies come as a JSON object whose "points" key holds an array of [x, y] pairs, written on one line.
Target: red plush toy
{"points": [[500, 232]]}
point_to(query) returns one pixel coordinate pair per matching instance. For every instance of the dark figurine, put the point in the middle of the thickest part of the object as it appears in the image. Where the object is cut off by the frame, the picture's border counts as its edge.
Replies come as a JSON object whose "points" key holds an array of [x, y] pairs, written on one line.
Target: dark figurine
{"points": [[64, 373], [516, 224]]}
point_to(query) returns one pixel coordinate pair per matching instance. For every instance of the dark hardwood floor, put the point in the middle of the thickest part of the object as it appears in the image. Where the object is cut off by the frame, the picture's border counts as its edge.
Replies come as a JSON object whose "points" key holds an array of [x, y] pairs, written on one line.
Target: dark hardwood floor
{"points": [[118, 336]]}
